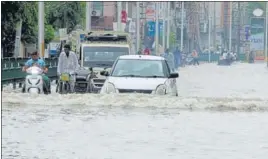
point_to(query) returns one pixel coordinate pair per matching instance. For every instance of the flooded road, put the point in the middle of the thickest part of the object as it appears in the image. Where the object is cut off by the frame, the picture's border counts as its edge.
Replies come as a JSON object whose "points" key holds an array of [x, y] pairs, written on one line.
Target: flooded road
{"points": [[221, 113]]}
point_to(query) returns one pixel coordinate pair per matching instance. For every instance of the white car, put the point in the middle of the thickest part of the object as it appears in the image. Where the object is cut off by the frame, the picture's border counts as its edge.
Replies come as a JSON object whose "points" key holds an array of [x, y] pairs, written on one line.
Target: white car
{"points": [[140, 74]]}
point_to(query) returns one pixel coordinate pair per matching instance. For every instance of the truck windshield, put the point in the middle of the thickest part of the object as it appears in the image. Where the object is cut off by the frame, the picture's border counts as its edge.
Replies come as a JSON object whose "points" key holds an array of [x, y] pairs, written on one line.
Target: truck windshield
{"points": [[103, 53]]}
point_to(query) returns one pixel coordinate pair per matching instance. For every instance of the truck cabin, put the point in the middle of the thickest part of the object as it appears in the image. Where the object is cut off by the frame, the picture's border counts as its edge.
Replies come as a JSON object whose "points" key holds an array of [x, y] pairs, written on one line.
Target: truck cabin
{"points": [[103, 50]]}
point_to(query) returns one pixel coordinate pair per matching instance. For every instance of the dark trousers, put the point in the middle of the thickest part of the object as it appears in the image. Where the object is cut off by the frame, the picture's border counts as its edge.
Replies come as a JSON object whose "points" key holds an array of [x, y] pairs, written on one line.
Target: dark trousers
{"points": [[196, 61]]}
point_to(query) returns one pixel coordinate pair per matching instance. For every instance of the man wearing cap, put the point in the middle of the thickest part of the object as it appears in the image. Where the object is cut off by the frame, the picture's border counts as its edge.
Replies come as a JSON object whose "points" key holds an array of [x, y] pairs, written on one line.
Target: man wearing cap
{"points": [[35, 60]]}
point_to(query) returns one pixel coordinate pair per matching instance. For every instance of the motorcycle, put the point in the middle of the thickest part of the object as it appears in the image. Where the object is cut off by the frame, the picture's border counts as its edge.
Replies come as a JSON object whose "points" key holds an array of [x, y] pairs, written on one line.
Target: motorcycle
{"points": [[34, 82], [187, 59], [66, 83]]}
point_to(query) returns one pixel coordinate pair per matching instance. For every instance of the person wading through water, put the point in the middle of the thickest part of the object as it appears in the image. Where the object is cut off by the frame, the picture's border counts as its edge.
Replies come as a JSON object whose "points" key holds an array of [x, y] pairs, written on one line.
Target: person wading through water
{"points": [[195, 56]]}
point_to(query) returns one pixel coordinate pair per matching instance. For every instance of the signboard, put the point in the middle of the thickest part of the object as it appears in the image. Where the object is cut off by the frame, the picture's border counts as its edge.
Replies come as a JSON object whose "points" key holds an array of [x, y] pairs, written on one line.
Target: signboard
{"points": [[151, 28], [124, 16], [150, 10], [82, 37], [63, 33], [53, 47], [97, 8], [257, 37]]}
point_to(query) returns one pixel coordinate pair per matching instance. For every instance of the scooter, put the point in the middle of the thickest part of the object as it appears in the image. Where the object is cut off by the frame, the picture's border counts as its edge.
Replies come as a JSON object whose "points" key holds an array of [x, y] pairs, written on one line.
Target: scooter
{"points": [[34, 81]]}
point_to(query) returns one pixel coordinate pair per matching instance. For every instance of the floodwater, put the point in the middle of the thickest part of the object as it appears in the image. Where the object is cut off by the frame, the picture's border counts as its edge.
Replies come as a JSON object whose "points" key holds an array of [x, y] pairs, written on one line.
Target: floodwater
{"points": [[221, 113]]}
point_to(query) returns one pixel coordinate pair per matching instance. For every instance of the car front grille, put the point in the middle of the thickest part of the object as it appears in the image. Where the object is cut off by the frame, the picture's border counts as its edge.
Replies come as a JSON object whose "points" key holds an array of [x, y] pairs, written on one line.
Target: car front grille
{"points": [[134, 91], [98, 82]]}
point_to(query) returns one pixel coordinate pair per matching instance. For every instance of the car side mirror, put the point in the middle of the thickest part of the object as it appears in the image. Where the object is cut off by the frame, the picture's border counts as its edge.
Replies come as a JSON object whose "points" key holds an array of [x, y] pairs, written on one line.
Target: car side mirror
{"points": [[104, 73], [174, 75]]}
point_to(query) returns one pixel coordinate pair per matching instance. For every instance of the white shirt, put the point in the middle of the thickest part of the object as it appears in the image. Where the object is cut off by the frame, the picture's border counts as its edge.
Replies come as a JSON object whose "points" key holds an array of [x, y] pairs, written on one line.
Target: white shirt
{"points": [[67, 64]]}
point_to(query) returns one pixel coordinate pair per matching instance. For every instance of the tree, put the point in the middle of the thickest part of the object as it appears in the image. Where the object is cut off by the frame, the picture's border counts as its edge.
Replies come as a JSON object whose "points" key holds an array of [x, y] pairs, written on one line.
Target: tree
{"points": [[254, 5], [11, 14], [49, 33], [64, 14]]}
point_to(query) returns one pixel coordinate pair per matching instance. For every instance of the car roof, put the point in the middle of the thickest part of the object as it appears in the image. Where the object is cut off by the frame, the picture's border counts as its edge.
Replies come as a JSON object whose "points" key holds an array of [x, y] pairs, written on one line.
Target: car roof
{"points": [[141, 57]]}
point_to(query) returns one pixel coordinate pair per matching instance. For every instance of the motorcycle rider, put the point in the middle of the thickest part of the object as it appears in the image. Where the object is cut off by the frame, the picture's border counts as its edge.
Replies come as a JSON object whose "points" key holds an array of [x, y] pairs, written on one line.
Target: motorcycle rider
{"points": [[68, 62], [35, 60]]}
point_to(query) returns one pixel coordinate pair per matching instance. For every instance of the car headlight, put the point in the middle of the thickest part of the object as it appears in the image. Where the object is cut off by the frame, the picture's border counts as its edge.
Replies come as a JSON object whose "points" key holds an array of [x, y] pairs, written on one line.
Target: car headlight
{"points": [[160, 90], [110, 88]]}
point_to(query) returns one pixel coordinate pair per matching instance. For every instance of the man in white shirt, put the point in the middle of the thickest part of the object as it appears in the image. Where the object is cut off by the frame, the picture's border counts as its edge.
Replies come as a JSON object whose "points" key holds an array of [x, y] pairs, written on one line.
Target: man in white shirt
{"points": [[68, 62]]}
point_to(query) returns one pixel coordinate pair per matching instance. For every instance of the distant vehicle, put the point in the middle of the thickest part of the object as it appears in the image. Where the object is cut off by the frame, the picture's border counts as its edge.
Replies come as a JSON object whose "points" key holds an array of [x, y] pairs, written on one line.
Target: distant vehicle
{"points": [[227, 59], [98, 52], [140, 74]]}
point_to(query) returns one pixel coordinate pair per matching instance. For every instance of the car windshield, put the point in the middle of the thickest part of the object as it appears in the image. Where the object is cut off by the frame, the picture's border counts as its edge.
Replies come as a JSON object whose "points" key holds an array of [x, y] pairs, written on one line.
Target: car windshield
{"points": [[141, 68]]}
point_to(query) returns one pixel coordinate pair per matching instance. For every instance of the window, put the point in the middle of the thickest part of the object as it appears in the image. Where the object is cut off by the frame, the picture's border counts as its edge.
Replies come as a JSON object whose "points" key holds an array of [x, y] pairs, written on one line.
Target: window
{"points": [[103, 53], [140, 68]]}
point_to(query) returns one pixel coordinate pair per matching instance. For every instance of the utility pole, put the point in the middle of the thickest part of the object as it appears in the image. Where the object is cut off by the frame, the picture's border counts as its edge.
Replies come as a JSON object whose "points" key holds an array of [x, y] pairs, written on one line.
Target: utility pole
{"points": [[88, 16], [214, 24], [164, 11], [126, 2], [209, 31], [168, 23], [18, 39], [137, 26], [239, 28], [266, 34], [157, 28], [182, 8], [41, 29], [119, 10], [230, 27]]}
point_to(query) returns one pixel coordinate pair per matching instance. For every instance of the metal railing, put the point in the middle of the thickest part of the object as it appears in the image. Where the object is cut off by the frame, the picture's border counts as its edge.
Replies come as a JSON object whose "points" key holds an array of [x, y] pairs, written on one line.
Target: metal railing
{"points": [[12, 71]]}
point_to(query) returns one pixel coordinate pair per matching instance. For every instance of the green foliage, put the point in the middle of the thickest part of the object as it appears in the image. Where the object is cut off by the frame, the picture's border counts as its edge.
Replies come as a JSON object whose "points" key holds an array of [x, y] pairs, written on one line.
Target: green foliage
{"points": [[64, 14], [11, 14], [49, 33], [254, 5], [57, 15]]}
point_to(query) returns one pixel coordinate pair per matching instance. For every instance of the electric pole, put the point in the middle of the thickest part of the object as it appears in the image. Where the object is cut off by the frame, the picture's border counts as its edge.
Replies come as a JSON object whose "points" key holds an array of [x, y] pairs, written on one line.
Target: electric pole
{"points": [[266, 34], [168, 23], [182, 9], [18, 39], [137, 26], [239, 28], [214, 25], [119, 10], [164, 11], [41, 29], [209, 31], [157, 29], [88, 16], [230, 27]]}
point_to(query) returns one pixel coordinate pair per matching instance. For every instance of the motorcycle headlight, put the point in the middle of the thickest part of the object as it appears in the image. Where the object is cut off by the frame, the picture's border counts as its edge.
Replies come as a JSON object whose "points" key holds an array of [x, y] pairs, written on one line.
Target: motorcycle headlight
{"points": [[160, 90], [110, 88]]}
